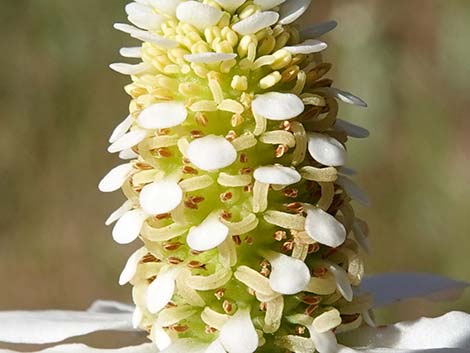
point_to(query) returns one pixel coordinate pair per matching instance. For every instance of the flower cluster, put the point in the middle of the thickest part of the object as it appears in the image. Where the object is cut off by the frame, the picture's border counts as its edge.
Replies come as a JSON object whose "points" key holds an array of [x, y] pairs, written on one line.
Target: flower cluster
{"points": [[236, 184]]}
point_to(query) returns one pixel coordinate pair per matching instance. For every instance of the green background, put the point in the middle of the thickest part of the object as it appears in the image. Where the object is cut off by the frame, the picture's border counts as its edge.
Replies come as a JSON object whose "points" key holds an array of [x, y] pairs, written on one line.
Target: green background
{"points": [[59, 102]]}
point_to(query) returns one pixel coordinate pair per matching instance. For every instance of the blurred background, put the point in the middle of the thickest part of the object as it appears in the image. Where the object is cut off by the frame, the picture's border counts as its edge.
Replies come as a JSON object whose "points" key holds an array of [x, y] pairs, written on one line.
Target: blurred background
{"points": [[59, 102]]}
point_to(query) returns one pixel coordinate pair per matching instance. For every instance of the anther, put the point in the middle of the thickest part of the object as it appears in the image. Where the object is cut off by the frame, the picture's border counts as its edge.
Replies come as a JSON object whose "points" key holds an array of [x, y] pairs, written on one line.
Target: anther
{"points": [[237, 120], [226, 215], [226, 196], [149, 258], [232, 135], [310, 309], [143, 166], [172, 246], [287, 246], [291, 193], [280, 235], [243, 158], [281, 150], [179, 328], [246, 171], [227, 306], [201, 119], [163, 152], [210, 330], [174, 260], [236, 239], [161, 216], [189, 170], [320, 272], [196, 134], [249, 240], [196, 264], [219, 293], [248, 188], [300, 330]]}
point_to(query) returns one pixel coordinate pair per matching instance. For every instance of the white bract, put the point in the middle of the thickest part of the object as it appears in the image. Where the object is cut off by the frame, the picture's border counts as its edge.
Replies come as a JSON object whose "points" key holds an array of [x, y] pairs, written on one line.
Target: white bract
{"points": [[268, 4], [128, 227], [449, 333], [230, 5]]}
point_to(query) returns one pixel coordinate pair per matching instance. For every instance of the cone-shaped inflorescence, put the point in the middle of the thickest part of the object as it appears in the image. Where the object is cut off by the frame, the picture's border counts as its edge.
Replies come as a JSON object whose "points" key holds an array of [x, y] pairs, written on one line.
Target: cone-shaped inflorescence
{"points": [[236, 181]]}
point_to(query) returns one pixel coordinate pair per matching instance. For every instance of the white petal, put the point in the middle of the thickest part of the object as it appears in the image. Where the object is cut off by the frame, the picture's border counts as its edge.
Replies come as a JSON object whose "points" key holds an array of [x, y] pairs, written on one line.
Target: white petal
{"points": [[160, 291], [128, 154], [292, 10], [129, 140], [121, 129], [344, 349], [277, 174], [113, 217], [54, 326], [393, 287], [268, 4], [230, 5], [127, 228], [161, 197], [153, 38], [353, 190], [215, 347], [143, 16], [324, 342], [317, 30], [126, 28], [208, 235], [326, 150], [130, 69], [166, 6], [342, 281], [324, 228], [238, 335], [209, 57], [451, 330], [289, 275], [161, 338], [132, 52], [163, 115], [130, 269], [211, 152], [277, 106], [256, 22], [115, 178], [344, 96], [310, 46], [81, 348], [137, 317], [109, 306], [351, 129], [197, 14]]}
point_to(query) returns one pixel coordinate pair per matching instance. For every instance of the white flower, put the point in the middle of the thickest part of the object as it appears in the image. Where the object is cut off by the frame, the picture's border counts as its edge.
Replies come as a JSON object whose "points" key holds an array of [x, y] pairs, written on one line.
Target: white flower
{"points": [[449, 333]]}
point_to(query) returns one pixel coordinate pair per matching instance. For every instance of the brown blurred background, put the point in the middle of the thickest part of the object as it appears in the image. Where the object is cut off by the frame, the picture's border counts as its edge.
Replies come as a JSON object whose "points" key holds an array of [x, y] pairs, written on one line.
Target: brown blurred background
{"points": [[59, 102]]}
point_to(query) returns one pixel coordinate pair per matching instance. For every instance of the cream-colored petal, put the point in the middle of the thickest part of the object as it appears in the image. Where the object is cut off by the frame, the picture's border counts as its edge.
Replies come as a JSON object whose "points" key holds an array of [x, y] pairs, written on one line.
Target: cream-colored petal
{"points": [[198, 14], [256, 22], [277, 106]]}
